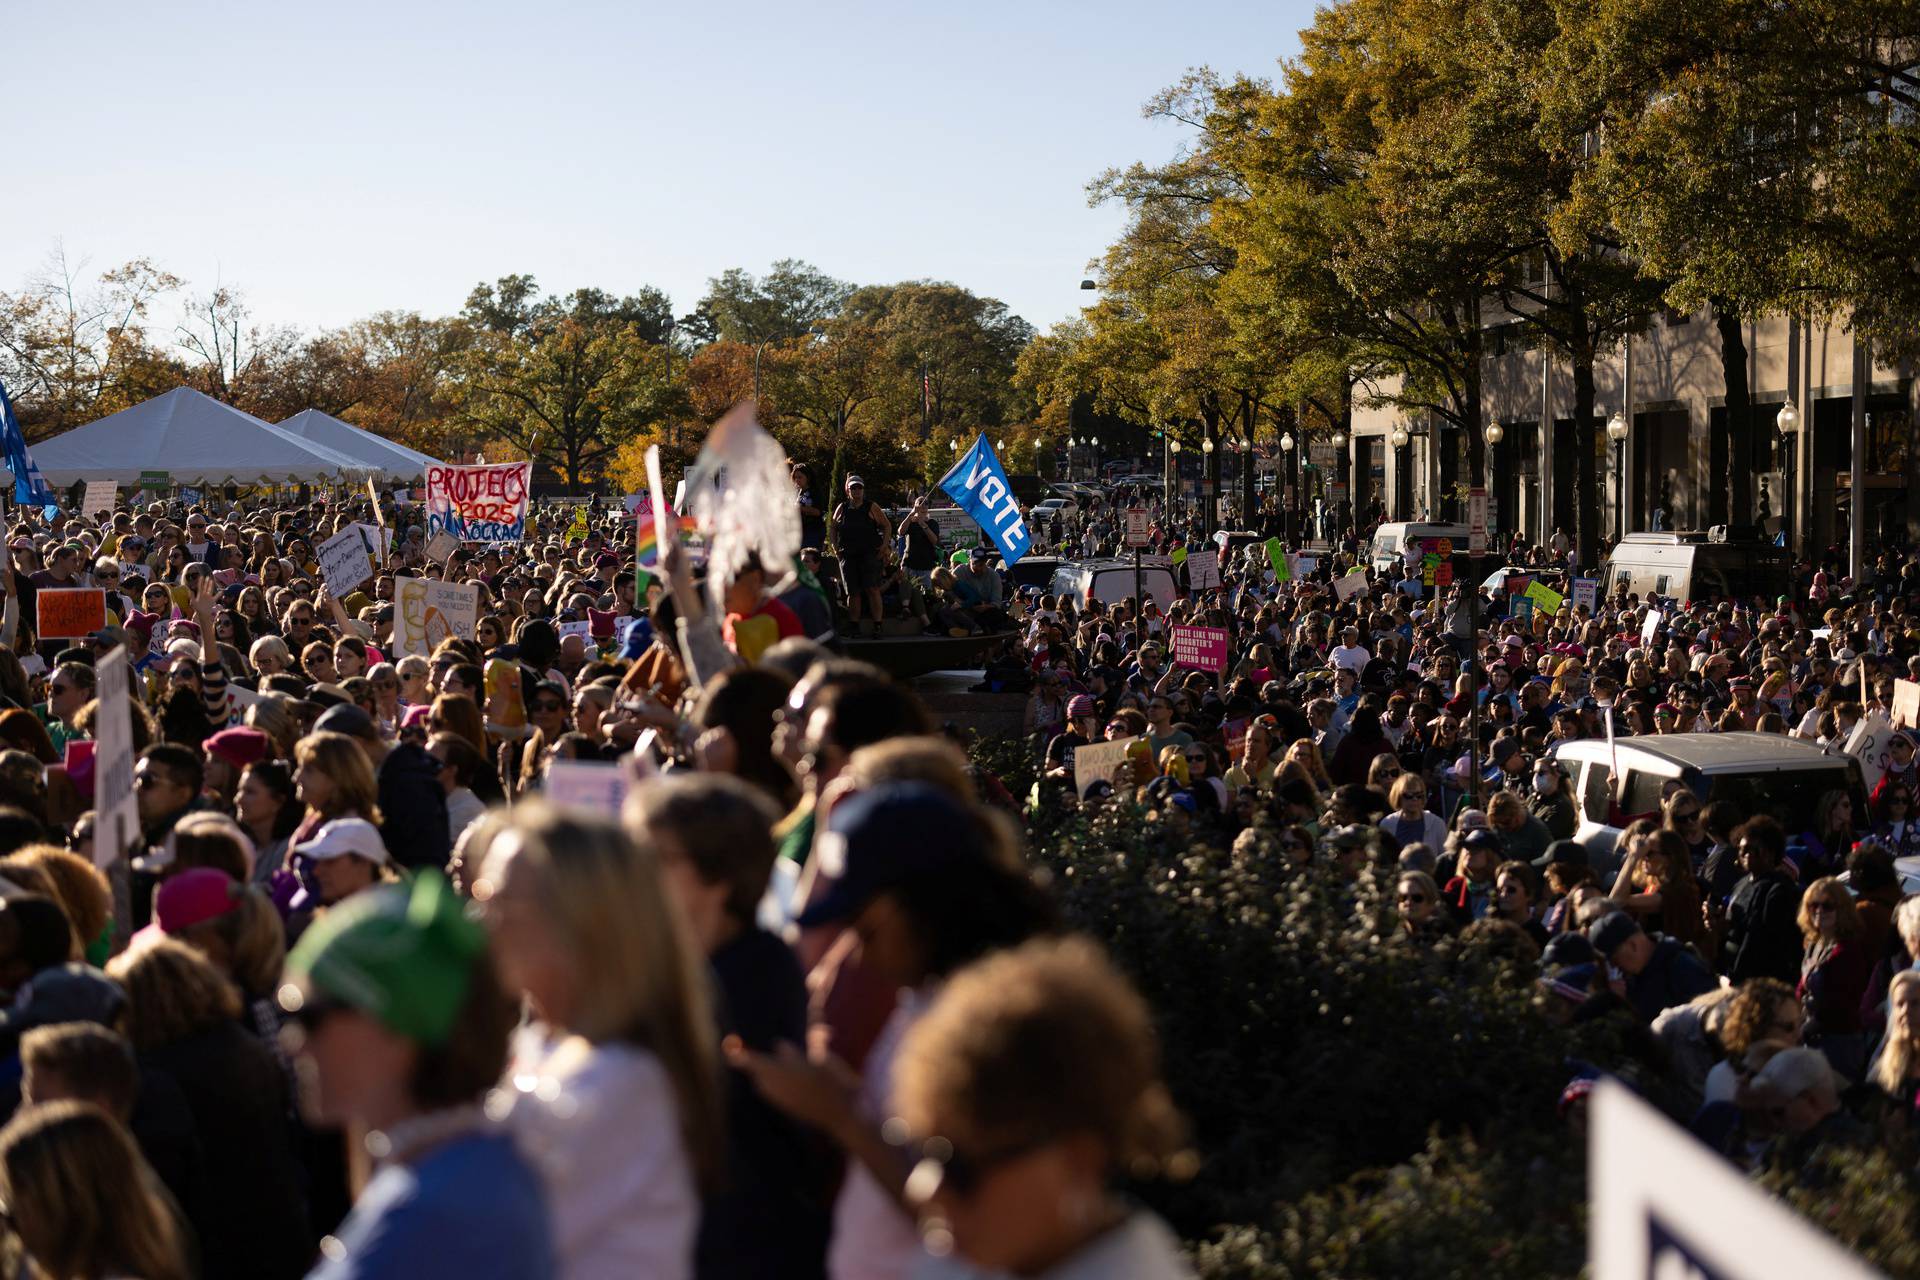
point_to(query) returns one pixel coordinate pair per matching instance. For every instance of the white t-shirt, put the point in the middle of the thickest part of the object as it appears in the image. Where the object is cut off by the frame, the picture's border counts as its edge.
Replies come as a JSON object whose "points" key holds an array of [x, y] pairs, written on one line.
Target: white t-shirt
{"points": [[873, 1238], [1140, 1248], [600, 1125], [1353, 657]]}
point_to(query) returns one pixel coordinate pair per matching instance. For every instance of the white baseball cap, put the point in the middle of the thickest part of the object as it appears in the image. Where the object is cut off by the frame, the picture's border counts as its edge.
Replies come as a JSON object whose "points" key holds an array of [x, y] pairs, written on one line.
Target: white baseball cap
{"points": [[344, 836]]}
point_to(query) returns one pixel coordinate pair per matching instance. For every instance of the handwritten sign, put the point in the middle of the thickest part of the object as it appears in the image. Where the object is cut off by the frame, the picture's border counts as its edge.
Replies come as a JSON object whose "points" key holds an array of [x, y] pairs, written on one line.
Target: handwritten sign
{"points": [[1869, 743], [485, 503], [1652, 624], [427, 611], [1545, 597], [1203, 570], [344, 560], [1906, 704], [118, 819], [1277, 557], [1096, 761], [441, 546], [68, 613], [1200, 648], [1586, 593], [591, 785], [101, 495], [1349, 585]]}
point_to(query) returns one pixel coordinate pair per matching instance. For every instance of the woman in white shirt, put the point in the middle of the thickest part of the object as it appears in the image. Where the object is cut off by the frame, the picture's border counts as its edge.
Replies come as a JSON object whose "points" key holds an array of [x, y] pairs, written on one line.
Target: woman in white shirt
{"points": [[612, 1090], [1410, 822], [1028, 1090]]}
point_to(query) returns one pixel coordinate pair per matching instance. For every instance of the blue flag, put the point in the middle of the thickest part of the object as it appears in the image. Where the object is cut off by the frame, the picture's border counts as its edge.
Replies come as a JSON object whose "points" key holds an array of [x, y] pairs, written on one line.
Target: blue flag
{"points": [[29, 488], [978, 486]]}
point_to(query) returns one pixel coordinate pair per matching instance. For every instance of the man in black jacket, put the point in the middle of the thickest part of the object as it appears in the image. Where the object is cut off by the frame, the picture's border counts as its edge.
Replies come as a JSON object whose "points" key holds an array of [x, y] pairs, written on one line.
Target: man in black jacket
{"points": [[413, 805], [1762, 936]]}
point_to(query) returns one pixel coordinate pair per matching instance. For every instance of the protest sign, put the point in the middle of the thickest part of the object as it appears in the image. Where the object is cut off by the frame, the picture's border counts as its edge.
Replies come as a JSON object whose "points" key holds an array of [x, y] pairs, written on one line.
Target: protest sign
{"points": [[1179, 555], [582, 629], [1303, 566], [101, 495], [1200, 648], [1517, 583], [589, 785], [441, 546], [1652, 624], [1869, 743], [344, 563], [1096, 761], [118, 818], [1349, 585], [1906, 704], [427, 611], [486, 503], [1521, 608], [1586, 593], [1544, 597], [1203, 570], [1277, 557], [1666, 1205], [1234, 733], [70, 613], [190, 496]]}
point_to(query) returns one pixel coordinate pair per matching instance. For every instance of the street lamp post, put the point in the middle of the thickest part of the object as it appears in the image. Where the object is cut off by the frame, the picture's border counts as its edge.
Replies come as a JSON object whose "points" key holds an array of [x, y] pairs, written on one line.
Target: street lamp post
{"points": [[1341, 478], [1402, 482], [1617, 432], [1788, 421], [1206, 486], [1287, 524]]}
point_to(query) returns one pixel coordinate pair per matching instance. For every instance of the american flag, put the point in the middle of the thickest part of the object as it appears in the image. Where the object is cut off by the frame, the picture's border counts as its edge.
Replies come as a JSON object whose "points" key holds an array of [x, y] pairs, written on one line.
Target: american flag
{"points": [[926, 390]]}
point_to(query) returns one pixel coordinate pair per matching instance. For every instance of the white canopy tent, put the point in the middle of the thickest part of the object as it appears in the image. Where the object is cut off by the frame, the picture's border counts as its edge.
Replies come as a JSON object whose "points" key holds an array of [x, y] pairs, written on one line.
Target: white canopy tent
{"points": [[196, 440], [387, 460]]}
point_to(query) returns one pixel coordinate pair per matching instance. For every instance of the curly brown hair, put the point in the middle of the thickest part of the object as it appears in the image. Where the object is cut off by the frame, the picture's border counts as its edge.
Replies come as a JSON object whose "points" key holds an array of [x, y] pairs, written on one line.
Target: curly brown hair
{"points": [[1749, 1016]]}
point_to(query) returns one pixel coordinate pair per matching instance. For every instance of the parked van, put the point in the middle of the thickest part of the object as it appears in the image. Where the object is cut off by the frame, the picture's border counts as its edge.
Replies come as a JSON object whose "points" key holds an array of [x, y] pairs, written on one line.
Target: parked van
{"points": [[1110, 581], [1689, 566], [1390, 541], [1758, 773]]}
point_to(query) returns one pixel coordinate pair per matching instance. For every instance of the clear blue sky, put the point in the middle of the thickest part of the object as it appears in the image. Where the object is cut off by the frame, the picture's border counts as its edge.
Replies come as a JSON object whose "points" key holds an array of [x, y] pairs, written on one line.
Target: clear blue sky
{"points": [[335, 160]]}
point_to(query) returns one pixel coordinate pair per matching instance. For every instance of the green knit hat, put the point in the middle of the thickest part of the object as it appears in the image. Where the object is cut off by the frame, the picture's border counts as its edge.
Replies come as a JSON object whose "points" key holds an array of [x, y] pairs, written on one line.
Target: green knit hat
{"points": [[402, 954]]}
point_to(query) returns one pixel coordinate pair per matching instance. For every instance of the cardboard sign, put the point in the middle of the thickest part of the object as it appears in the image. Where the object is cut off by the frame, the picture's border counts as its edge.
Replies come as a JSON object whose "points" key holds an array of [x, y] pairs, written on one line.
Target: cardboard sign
{"points": [[427, 611], [591, 785], [441, 546], [1664, 1205], [70, 613], [1304, 566], [118, 821], [1869, 743], [1234, 734], [1652, 624], [1200, 648], [1203, 570], [486, 503], [582, 629], [345, 561], [1586, 593], [1906, 704], [1137, 524], [1096, 761], [1521, 608], [1349, 585], [1544, 596], [100, 498], [1277, 557]]}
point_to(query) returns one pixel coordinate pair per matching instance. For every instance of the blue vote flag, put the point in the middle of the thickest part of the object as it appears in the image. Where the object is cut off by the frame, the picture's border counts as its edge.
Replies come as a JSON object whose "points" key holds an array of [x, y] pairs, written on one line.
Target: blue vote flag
{"points": [[29, 487], [978, 486]]}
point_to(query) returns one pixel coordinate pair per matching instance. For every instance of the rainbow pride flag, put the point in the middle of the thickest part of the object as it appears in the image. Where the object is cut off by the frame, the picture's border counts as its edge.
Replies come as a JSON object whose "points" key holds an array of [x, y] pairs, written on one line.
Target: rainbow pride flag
{"points": [[648, 540]]}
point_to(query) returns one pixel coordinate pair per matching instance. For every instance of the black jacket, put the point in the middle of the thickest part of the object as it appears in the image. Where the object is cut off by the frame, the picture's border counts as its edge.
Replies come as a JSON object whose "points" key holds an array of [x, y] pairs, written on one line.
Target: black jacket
{"points": [[1763, 930], [413, 809]]}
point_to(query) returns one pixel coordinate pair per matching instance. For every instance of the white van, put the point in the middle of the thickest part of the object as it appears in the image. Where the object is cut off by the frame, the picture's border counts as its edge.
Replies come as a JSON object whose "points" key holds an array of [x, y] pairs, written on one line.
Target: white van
{"points": [[1390, 542], [1110, 581], [1689, 566]]}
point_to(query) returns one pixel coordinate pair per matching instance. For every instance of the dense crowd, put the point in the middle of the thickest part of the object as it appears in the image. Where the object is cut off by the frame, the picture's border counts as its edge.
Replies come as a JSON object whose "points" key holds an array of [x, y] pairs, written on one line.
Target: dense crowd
{"points": [[379, 988]]}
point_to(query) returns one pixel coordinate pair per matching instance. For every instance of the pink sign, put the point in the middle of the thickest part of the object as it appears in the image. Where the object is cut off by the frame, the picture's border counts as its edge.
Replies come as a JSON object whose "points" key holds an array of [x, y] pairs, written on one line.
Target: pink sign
{"points": [[1201, 648]]}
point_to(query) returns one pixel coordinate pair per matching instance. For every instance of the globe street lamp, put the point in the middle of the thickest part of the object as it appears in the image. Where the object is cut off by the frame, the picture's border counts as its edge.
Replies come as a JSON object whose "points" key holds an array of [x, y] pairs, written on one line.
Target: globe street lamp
{"points": [[1494, 433], [1788, 421], [1402, 482], [1290, 497], [1617, 432]]}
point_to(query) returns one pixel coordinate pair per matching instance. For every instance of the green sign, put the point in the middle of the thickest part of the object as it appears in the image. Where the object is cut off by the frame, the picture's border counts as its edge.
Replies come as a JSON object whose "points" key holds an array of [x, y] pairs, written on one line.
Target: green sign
{"points": [[156, 481], [1277, 557]]}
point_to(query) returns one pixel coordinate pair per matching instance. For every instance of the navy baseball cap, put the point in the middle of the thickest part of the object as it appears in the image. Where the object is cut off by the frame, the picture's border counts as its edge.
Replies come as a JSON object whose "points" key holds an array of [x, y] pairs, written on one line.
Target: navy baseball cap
{"points": [[882, 838]]}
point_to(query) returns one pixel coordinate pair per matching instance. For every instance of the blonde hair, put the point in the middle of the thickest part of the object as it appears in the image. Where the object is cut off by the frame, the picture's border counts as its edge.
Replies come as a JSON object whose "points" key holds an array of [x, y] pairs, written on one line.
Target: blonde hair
{"points": [[643, 980], [172, 992], [1897, 1058], [339, 757], [1846, 917], [273, 716], [251, 936], [85, 1203]]}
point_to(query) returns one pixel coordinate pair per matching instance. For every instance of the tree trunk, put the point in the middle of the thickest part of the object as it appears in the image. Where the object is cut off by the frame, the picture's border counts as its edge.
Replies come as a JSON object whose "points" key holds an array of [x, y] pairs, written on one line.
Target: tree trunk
{"points": [[1733, 362], [1450, 506], [1586, 484]]}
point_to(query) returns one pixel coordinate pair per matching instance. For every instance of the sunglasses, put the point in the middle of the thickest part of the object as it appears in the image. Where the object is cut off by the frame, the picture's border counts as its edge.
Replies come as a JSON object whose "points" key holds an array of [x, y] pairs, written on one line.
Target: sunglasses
{"points": [[1415, 898], [545, 705], [937, 1166]]}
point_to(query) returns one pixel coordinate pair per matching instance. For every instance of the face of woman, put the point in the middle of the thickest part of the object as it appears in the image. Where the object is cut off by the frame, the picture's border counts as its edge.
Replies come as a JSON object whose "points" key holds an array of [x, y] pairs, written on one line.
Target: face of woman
{"points": [[489, 635], [531, 957], [1413, 801], [888, 942], [454, 684], [1011, 1212], [1825, 915], [350, 1068], [341, 877], [254, 804], [1416, 904], [548, 713], [1903, 1011], [314, 787], [347, 663], [1511, 897]]}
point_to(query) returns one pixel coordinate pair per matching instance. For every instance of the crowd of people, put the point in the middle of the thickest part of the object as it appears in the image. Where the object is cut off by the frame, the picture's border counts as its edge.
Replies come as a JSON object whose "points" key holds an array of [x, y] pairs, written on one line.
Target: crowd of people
{"points": [[371, 993]]}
